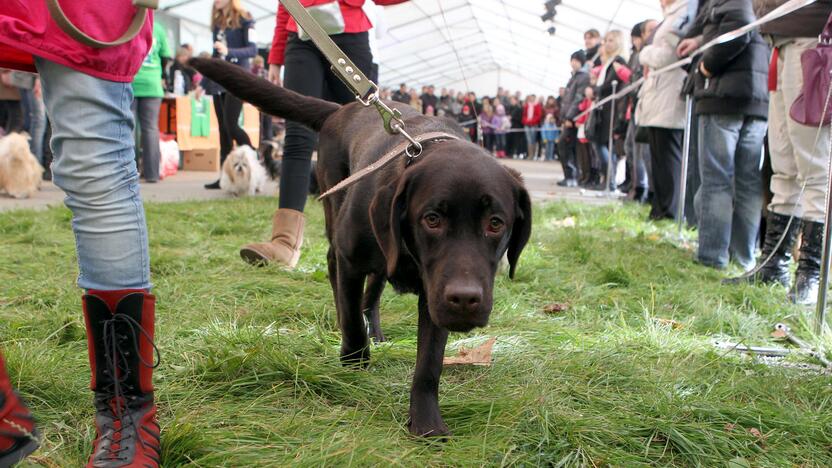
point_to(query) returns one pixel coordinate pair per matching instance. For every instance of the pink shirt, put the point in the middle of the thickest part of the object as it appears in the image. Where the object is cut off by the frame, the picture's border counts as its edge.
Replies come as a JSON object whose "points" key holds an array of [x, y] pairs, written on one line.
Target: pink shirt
{"points": [[27, 30]]}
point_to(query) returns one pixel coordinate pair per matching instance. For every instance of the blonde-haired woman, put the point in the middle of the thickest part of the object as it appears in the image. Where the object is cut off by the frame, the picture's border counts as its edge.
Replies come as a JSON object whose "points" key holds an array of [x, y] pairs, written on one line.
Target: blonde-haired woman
{"points": [[233, 30], [613, 69]]}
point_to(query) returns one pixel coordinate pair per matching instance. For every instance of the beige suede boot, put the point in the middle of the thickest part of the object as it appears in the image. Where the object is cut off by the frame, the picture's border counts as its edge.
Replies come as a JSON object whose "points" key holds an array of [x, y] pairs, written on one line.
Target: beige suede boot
{"points": [[287, 238]]}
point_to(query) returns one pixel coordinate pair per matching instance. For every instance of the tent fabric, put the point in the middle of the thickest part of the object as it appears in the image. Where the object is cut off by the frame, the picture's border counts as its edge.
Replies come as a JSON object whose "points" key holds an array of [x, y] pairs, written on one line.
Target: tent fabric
{"points": [[450, 43]]}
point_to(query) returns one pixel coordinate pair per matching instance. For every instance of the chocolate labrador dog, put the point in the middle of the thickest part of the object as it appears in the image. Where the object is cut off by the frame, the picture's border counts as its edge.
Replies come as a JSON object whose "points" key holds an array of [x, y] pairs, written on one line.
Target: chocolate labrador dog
{"points": [[437, 227]]}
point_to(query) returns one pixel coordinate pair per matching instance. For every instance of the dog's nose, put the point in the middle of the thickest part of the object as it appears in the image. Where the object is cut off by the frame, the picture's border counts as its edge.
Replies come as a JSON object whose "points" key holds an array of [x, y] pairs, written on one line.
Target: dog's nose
{"points": [[465, 298]]}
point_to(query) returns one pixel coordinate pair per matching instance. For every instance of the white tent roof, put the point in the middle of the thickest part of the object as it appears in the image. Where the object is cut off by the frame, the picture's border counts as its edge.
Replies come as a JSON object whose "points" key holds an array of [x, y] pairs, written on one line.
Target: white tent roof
{"points": [[487, 43]]}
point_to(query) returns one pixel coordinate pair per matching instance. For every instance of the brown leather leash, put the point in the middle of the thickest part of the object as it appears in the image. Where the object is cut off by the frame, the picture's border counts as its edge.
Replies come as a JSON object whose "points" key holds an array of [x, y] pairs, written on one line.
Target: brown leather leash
{"points": [[72, 31], [401, 148]]}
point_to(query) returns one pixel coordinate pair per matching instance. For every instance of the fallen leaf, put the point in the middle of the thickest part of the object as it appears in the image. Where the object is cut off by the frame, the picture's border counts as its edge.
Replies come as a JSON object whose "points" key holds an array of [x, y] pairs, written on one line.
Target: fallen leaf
{"points": [[556, 307], [479, 356], [653, 237], [565, 222], [730, 427], [756, 433], [672, 323]]}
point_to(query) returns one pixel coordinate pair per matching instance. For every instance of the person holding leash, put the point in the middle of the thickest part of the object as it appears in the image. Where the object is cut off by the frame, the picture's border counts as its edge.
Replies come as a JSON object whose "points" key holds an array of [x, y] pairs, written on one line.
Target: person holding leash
{"points": [[87, 92], [306, 71]]}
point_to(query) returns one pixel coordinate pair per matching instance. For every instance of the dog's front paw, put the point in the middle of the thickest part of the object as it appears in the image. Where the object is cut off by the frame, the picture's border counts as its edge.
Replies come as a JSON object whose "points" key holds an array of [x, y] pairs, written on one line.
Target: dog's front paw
{"points": [[355, 358], [431, 426]]}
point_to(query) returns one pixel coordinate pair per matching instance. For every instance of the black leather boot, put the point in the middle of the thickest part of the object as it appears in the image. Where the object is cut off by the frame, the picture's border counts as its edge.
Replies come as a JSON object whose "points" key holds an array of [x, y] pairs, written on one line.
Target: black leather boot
{"points": [[805, 289], [776, 270]]}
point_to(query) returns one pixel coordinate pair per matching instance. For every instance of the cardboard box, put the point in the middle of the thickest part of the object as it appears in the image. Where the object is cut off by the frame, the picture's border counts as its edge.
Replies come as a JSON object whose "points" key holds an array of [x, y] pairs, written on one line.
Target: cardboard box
{"points": [[207, 160], [183, 127]]}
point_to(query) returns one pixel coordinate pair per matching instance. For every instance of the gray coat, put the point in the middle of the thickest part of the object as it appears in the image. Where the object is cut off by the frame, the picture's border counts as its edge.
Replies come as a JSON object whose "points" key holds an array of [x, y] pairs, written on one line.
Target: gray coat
{"points": [[574, 94]]}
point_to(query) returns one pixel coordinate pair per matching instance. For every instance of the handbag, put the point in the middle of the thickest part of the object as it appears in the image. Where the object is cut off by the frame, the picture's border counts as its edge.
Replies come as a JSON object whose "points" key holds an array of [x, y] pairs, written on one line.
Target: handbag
{"points": [[593, 126], [813, 104], [328, 16]]}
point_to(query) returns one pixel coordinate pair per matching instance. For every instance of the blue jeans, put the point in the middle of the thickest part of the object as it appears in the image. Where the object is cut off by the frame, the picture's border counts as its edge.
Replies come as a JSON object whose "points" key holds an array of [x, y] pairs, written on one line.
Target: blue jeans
{"points": [[92, 140], [603, 152], [550, 150], [730, 197], [36, 115], [638, 157]]}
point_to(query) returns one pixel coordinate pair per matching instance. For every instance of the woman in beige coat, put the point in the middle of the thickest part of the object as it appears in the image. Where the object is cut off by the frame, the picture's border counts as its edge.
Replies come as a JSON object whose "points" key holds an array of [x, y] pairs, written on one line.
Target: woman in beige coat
{"points": [[661, 110]]}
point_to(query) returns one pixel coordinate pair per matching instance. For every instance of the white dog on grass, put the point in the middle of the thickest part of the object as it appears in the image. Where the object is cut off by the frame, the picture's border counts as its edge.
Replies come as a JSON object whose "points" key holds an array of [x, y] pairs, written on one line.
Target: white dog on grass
{"points": [[242, 173], [20, 172]]}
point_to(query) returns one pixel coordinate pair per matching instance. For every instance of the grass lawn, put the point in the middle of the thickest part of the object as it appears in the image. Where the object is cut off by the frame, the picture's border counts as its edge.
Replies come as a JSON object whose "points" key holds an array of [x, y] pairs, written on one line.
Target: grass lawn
{"points": [[250, 373]]}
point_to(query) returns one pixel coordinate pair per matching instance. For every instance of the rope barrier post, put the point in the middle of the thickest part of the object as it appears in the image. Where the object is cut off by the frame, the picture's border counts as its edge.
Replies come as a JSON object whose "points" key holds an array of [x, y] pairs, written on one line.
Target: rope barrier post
{"points": [[610, 176], [820, 326], [683, 181]]}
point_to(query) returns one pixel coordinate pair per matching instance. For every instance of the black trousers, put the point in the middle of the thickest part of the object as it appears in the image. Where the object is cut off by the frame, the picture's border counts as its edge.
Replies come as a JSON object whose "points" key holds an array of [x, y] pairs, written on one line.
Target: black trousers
{"points": [[227, 107], [666, 159], [307, 72], [567, 152], [11, 116]]}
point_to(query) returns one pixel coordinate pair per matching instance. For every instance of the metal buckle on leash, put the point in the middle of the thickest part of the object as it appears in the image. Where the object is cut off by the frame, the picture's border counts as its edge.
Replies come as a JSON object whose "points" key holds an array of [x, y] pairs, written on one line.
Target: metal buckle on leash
{"points": [[393, 122]]}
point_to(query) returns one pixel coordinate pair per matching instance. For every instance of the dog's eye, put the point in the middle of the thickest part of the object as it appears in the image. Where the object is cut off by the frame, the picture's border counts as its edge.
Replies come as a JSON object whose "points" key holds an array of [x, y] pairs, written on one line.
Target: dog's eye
{"points": [[432, 220], [495, 225]]}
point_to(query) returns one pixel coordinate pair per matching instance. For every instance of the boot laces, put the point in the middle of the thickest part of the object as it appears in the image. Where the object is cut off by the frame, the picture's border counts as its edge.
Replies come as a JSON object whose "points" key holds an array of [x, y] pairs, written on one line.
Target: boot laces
{"points": [[117, 365]]}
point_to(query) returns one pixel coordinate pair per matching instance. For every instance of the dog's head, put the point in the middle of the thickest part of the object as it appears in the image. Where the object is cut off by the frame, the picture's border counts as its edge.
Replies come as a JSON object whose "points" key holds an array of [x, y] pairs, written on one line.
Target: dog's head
{"points": [[454, 214], [238, 165]]}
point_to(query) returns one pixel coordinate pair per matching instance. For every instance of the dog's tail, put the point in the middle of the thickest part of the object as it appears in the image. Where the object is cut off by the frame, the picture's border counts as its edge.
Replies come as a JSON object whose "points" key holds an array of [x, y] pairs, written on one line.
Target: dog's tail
{"points": [[269, 98]]}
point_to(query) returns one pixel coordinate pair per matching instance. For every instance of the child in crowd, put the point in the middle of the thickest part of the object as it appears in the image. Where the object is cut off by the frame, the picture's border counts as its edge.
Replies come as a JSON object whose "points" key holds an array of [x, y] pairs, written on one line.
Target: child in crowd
{"points": [[468, 122], [584, 146], [501, 124], [486, 116], [549, 134]]}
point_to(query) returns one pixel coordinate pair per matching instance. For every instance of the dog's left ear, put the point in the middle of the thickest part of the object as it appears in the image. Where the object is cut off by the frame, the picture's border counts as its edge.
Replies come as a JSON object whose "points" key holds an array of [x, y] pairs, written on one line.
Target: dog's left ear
{"points": [[522, 227], [387, 212]]}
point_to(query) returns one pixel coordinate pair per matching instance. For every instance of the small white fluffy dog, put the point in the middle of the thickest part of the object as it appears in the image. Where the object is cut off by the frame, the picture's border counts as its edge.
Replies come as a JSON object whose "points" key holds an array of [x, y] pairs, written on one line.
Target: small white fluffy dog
{"points": [[242, 173], [20, 172]]}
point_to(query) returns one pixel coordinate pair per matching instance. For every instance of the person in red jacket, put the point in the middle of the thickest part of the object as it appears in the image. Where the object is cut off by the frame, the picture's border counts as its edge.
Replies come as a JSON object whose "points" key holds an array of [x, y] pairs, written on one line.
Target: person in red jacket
{"points": [[87, 92], [307, 72], [532, 116]]}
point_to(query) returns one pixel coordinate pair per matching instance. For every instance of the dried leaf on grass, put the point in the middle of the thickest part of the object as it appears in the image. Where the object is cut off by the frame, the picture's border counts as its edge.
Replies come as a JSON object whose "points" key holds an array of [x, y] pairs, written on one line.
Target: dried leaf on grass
{"points": [[565, 222], [556, 307], [756, 433], [479, 356], [669, 322]]}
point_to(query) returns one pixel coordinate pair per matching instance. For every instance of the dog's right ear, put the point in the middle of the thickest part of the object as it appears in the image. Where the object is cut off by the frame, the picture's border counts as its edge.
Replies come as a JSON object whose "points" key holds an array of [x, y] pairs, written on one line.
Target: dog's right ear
{"points": [[387, 213]]}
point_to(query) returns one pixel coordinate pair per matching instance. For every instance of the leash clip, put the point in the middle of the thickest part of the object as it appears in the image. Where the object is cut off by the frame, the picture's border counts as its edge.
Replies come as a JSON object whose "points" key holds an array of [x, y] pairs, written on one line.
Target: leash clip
{"points": [[393, 122]]}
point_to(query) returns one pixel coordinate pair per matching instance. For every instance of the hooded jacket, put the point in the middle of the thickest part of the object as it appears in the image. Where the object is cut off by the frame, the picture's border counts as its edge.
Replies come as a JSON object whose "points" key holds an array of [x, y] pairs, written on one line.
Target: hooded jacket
{"points": [[27, 30], [355, 21], [738, 68], [660, 103], [574, 94]]}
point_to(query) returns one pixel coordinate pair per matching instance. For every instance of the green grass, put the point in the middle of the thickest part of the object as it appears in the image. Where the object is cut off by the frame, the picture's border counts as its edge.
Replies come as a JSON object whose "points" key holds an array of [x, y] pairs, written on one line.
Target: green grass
{"points": [[250, 373]]}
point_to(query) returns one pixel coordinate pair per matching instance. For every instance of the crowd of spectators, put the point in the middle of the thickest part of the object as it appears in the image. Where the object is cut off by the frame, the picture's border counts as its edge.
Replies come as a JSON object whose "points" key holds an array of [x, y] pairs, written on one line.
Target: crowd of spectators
{"points": [[741, 93]]}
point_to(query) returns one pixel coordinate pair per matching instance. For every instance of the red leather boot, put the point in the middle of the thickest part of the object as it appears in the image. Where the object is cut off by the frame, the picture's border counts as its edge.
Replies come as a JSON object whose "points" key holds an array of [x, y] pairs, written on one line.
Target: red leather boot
{"points": [[120, 339], [18, 436]]}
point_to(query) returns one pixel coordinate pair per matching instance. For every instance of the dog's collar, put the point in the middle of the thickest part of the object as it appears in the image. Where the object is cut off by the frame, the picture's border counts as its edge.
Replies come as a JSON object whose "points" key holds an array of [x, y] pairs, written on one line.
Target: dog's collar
{"points": [[399, 150]]}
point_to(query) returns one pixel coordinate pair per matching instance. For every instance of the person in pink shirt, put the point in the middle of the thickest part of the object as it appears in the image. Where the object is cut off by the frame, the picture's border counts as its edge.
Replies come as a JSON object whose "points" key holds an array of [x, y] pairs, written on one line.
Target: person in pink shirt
{"points": [[532, 116], [87, 92]]}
